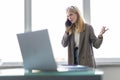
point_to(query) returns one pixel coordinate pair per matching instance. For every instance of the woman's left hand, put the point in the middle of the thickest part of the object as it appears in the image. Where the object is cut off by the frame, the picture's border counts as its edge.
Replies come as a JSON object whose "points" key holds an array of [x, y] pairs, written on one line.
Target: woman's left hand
{"points": [[103, 30]]}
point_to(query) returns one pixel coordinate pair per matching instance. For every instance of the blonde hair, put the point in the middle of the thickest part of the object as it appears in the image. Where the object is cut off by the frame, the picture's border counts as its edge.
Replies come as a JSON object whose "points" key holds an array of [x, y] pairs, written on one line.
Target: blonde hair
{"points": [[80, 24]]}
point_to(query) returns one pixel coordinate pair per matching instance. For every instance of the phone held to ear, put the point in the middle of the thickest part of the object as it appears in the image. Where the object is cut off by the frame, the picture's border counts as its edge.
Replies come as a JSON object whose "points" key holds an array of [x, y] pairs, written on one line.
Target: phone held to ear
{"points": [[68, 23]]}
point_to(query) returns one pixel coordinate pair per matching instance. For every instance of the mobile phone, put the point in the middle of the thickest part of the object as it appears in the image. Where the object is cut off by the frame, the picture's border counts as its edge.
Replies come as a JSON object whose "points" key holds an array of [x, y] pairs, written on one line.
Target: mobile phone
{"points": [[68, 23]]}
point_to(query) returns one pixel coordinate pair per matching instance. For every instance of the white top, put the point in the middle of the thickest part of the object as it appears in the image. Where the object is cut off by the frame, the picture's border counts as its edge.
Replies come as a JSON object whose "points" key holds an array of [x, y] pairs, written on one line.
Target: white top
{"points": [[77, 37]]}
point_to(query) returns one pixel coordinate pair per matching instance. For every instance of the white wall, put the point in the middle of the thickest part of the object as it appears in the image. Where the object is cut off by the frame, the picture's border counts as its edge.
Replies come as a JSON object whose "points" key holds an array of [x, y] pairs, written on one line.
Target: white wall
{"points": [[111, 72]]}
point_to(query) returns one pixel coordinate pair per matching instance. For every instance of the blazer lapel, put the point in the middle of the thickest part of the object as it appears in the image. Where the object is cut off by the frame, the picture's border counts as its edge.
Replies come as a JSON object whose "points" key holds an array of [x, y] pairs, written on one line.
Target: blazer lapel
{"points": [[82, 35]]}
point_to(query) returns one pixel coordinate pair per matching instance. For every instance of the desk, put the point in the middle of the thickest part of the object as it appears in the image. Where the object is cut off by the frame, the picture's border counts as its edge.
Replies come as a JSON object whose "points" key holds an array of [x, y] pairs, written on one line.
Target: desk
{"points": [[21, 74]]}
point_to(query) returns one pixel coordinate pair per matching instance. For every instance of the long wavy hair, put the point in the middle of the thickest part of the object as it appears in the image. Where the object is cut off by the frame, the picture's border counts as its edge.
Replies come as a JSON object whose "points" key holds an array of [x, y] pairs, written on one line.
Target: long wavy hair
{"points": [[79, 26]]}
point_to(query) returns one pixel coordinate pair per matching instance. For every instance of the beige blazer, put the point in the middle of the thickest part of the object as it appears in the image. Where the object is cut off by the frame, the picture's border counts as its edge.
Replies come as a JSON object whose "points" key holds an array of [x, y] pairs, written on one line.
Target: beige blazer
{"points": [[88, 40]]}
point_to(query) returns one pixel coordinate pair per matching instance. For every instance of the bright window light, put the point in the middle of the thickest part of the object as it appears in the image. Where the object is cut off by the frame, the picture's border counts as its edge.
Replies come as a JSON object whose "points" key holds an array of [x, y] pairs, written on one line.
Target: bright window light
{"points": [[11, 23], [51, 15], [106, 13]]}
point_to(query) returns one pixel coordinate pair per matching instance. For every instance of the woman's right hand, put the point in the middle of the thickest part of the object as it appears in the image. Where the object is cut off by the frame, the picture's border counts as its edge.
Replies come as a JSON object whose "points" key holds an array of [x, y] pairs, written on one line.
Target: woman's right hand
{"points": [[68, 23], [67, 30]]}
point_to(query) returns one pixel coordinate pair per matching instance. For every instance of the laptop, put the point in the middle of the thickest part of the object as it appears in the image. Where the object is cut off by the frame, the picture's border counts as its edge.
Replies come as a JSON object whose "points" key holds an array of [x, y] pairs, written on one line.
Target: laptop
{"points": [[37, 52]]}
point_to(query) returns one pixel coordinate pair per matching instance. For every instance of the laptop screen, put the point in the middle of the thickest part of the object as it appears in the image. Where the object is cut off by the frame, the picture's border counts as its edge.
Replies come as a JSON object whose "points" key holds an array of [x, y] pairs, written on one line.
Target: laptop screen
{"points": [[36, 50]]}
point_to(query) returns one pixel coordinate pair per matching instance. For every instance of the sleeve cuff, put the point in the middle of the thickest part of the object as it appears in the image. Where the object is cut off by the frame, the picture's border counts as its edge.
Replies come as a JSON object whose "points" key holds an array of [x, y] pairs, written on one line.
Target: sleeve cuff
{"points": [[100, 37]]}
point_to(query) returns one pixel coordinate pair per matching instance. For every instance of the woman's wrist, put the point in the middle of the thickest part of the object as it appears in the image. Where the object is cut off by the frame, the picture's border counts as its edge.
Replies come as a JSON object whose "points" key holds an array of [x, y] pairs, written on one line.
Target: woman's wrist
{"points": [[67, 32], [100, 36]]}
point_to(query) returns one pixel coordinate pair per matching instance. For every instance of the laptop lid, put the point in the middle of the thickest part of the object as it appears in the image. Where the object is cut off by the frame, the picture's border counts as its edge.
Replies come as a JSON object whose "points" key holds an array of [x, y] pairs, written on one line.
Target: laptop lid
{"points": [[36, 50]]}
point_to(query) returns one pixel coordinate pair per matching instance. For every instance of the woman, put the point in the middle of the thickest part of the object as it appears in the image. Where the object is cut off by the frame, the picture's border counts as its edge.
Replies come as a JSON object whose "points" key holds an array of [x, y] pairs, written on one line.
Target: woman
{"points": [[80, 38]]}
